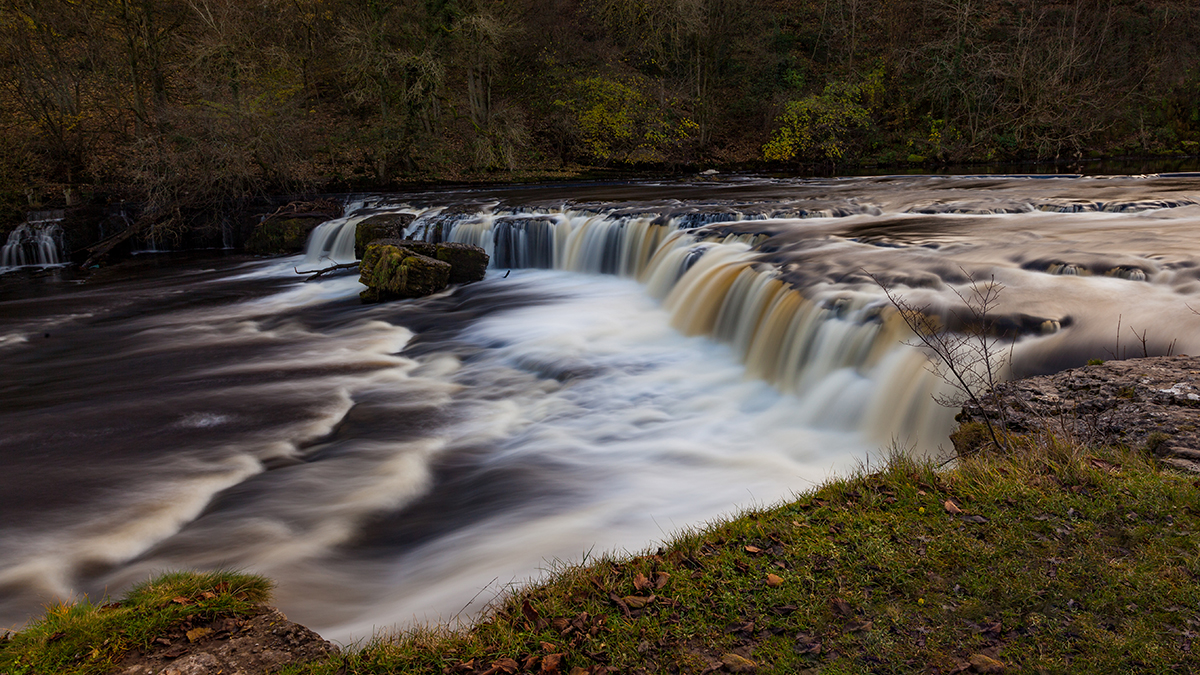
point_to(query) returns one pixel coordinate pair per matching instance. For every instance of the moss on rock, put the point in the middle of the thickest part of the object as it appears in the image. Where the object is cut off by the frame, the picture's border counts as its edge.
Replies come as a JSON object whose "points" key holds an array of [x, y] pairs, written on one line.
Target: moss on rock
{"points": [[467, 262], [382, 226], [394, 272], [282, 235]]}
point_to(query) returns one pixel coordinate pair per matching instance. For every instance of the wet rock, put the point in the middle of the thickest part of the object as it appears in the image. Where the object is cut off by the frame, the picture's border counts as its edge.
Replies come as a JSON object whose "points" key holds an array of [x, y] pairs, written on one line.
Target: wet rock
{"points": [[467, 263], [262, 643], [382, 226], [1151, 403], [390, 272], [286, 231]]}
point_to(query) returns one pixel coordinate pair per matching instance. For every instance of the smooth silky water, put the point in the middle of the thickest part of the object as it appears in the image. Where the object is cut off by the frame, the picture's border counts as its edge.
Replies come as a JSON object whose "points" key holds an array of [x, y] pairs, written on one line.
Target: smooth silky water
{"points": [[641, 359]]}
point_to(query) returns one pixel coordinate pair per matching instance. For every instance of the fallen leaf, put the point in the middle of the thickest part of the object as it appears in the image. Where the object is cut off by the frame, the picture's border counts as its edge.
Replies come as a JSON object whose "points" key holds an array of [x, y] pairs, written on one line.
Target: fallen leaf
{"points": [[531, 662], [807, 645], [508, 666], [661, 579], [58, 636], [986, 664], [753, 549], [859, 626], [640, 582], [579, 670], [547, 647], [1103, 465], [637, 601], [620, 602], [197, 633], [551, 663], [738, 664], [975, 519], [951, 507], [180, 600], [920, 493], [529, 612], [208, 595], [774, 580], [840, 607]]}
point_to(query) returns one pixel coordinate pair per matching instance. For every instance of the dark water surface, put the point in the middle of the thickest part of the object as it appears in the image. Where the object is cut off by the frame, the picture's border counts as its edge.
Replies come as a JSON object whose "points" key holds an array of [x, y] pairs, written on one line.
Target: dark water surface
{"points": [[668, 353]]}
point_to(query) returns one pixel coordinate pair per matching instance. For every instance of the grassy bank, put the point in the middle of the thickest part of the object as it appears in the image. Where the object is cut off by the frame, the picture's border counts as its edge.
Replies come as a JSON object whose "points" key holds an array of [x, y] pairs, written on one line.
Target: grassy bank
{"points": [[1057, 558]]}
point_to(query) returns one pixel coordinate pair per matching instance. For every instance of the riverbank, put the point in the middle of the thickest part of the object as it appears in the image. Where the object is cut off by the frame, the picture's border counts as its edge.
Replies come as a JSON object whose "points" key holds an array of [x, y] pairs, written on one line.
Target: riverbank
{"points": [[1055, 557]]}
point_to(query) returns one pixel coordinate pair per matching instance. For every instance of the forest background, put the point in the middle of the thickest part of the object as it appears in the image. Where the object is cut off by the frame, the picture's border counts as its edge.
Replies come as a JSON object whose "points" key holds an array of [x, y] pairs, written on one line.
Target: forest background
{"points": [[187, 104]]}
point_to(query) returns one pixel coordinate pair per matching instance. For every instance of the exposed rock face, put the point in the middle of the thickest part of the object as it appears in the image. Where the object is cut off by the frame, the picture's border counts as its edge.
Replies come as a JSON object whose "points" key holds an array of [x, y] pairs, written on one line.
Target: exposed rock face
{"points": [[263, 643], [1152, 402], [382, 226]]}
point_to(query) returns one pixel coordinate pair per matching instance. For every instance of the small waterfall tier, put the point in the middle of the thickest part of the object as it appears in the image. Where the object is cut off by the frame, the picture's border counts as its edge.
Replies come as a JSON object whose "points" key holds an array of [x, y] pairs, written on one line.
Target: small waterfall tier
{"points": [[37, 241]]}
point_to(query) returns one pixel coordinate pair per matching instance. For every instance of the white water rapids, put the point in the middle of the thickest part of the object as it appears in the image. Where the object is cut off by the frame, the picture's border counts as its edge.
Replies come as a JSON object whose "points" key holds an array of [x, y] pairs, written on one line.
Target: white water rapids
{"points": [[658, 355]]}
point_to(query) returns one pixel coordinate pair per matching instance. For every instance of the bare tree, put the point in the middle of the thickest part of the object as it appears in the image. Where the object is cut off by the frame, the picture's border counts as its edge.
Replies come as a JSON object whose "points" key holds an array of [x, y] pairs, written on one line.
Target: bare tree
{"points": [[967, 351]]}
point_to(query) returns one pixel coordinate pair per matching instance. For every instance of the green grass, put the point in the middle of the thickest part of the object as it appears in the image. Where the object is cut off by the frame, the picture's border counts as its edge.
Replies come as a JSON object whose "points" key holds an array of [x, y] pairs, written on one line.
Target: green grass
{"points": [[1054, 558], [85, 637]]}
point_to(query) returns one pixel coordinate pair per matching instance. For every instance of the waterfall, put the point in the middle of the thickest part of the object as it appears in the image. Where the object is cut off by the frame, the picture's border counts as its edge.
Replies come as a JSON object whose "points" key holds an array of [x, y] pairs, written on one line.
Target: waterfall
{"points": [[36, 242], [836, 350]]}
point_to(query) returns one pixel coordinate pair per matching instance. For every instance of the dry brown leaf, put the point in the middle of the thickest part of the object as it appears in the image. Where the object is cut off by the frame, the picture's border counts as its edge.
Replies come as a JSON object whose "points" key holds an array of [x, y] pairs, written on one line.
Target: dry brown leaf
{"points": [[640, 582], [738, 664], [859, 626], [951, 507], [180, 600], [840, 606], [208, 595], [551, 663], [774, 580], [986, 664], [197, 633], [661, 579], [508, 666], [753, 549], [637, 601]]}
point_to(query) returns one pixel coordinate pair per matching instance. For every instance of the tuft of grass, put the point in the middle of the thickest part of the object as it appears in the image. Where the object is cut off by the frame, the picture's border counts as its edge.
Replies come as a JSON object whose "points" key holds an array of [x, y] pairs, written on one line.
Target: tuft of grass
{"points": [[1055, 557], [85, 637]]}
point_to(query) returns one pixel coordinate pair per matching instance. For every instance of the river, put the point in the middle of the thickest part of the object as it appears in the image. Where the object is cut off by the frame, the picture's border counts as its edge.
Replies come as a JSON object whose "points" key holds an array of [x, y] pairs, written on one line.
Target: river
{"points": [[642, 358]]}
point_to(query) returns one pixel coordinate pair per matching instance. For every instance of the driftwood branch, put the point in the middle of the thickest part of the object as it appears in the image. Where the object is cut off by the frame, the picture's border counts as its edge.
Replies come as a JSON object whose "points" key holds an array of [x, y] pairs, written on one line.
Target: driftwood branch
{"points": [[101, 248], [317, 274]]}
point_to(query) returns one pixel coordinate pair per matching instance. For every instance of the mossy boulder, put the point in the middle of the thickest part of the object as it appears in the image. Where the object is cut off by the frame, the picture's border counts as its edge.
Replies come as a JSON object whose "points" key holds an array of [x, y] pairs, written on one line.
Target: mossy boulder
{"points": [[467, 262], [390, 272], [382, 226], [283, 235]]}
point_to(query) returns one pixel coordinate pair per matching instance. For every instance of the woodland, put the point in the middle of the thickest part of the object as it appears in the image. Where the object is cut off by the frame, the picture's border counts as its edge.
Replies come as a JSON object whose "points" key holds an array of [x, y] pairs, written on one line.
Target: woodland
{"points": [[185, 104]]}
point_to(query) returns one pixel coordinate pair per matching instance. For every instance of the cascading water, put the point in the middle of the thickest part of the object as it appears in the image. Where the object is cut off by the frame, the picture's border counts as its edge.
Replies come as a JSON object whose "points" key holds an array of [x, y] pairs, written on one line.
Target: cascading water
{"points": [[644, 357], [34, 242]]}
